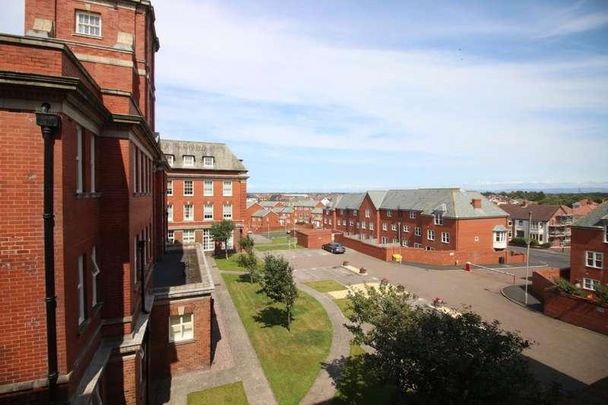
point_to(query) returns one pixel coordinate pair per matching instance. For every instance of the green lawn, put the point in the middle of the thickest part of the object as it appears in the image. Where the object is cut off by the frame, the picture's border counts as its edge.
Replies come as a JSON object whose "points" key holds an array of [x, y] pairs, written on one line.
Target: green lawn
{"points": [[291, 359], [226, 394], [326, 285], [344, 305], [229, 264], [278, 243]]}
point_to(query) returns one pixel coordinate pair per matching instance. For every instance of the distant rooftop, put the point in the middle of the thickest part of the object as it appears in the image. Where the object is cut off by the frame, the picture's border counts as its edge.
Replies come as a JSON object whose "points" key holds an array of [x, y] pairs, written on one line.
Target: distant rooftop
{"points": [[223, 158], [596, 218]]}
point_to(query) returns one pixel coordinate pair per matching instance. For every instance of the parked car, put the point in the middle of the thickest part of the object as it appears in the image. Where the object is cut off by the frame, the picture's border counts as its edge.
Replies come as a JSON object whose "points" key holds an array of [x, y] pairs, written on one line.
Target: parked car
{"points": [[334, 247]]}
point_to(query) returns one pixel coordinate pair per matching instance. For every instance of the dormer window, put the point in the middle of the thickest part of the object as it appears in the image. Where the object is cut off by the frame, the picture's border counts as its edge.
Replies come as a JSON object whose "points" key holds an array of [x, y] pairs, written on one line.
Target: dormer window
{"points": [[170, 159], [208, 161], [188, 161], [88, 23], [438, 218]]}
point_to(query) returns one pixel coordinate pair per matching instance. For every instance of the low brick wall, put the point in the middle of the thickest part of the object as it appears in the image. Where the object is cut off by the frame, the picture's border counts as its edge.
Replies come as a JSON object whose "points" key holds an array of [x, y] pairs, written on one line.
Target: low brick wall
{"points": [[542, 280], [577, 311], [431, 257]]}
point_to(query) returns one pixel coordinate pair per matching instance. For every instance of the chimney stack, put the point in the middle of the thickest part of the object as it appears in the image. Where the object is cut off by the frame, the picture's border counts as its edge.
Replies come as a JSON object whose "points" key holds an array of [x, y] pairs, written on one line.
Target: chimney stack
{"points": [[476, 202]]}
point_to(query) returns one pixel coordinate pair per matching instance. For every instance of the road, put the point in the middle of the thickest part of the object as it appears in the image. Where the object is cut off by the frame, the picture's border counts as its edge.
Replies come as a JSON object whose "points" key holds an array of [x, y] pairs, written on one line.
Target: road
{"points": [[549, 257]]}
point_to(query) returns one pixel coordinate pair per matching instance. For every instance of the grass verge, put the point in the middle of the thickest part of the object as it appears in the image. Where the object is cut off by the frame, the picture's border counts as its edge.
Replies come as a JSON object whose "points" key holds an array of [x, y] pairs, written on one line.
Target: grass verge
{"points": [[326, 285], [224, 394], [291, 359]]}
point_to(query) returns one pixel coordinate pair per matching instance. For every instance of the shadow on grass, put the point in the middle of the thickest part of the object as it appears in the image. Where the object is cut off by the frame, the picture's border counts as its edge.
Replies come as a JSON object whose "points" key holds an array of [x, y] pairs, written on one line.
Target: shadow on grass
{"points": [[271, 316]]}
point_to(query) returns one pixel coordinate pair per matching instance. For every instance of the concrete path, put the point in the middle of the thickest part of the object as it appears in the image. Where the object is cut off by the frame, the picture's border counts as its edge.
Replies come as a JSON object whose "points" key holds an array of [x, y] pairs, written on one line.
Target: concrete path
{"points": [[239, 364], [324, 387]]}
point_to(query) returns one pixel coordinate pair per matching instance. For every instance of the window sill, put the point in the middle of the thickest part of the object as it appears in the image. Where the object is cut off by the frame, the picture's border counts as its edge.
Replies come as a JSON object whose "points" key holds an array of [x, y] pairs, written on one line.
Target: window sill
{"points": [[595, 268], [182, 342], [78, 34], [84, 195]]}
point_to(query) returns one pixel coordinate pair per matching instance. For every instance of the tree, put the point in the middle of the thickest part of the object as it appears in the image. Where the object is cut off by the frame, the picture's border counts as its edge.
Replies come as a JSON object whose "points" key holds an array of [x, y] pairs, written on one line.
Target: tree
{"points": [[434, 357], [278, 284], [249, 261], [221, 232], [246, 244]]}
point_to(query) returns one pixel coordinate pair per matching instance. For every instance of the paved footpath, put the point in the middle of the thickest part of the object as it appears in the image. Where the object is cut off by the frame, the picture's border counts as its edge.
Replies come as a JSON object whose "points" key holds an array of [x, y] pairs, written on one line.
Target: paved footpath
{"points": [[241, 364], [324, 387]]}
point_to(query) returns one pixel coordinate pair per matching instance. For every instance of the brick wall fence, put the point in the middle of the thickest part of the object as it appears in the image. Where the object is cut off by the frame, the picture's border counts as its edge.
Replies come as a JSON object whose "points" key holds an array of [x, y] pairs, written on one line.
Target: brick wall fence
{"points": [[578, 311], [313, 238], [431, 257]]}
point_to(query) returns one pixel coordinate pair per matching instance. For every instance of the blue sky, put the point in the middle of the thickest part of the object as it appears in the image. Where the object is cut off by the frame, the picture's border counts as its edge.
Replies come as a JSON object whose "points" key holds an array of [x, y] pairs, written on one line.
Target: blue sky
{"points": [[352, 95]]}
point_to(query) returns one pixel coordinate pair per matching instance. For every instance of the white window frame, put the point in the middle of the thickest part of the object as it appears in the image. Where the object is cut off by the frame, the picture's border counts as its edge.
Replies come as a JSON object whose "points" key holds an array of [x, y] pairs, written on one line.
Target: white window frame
{"points": [[406, 228], [394, 227], [191, 238], [438, 218], [412, 214], [389, 213], [417, 245], [169, 212], [418, 231], [593, 258], [171, 236], [208, 192], [206, 160], [363, 225], [188, 160], [227, 211], [80, 289], [79, 163], [87, 28], [227, 188], [445, 237], [92, 163], [383, 240], [169, 187], [208, 210], [384, 226], [590, 283], [371, 226], [501, 237], [170, 159], [191, 182], [184, 321], [190, 211], [404, 243], [430, 234], [94, 273], [367, 213]]}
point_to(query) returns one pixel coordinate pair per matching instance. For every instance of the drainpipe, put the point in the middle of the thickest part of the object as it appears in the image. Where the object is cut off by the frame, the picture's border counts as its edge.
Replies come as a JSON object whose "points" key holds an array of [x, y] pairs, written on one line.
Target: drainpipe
{"points": [[49, 124]]}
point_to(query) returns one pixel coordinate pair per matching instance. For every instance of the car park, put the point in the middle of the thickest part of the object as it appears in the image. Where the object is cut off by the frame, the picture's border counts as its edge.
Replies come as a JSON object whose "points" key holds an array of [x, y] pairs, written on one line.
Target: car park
{"points": [[334, 247]]}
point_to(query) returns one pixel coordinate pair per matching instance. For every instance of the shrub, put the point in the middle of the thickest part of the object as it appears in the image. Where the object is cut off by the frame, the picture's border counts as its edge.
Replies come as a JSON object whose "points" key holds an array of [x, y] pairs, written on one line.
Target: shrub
{"points": [[601, 294], [563, 285], [546, 245]]}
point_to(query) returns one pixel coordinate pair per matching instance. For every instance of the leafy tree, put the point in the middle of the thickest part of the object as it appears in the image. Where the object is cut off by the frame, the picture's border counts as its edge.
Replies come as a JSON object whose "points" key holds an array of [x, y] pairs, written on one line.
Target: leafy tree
{"points": [[278, 284], [434, 357], [246, 244], [221, 232], [249, 261]]}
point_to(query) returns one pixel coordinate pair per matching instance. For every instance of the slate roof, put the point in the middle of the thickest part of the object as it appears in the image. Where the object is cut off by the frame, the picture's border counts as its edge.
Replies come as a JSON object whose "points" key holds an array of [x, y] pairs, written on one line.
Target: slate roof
{"points": [[224, 158], [350, 201], [268, 204], [304, 203], [316, 211], [261, 213], [595, 218], [540, 212]]}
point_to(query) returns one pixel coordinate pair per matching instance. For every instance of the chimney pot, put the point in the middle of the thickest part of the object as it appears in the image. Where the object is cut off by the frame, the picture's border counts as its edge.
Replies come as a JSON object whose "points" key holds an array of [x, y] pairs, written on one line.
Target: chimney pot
{"points": [[476, 202]]}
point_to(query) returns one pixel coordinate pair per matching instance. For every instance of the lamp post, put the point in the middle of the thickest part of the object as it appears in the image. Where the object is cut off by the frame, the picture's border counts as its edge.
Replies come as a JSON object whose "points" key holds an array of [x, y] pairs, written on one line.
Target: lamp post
{"points": [[528, 257]]}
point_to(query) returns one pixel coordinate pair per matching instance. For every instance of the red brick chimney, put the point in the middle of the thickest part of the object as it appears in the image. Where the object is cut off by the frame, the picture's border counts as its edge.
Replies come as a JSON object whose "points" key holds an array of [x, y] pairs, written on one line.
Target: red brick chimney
{"points": [[476, 202]]}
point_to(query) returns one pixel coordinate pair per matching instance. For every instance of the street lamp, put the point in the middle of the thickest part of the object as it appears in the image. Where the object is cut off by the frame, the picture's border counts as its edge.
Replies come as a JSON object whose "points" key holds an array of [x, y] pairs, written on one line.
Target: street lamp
{"points": [[528, 257]]}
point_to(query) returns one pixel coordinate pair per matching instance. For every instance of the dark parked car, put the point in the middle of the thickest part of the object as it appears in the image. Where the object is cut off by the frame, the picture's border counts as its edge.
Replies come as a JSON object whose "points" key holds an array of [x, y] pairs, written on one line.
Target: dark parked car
{"points": [[334, 247]]}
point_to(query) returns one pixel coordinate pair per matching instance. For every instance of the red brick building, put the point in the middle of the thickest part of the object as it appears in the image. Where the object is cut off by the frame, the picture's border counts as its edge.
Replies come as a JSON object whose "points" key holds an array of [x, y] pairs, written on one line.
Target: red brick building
{"points": [[589, 249], [206, 184], [84, 77], [463, 223]]}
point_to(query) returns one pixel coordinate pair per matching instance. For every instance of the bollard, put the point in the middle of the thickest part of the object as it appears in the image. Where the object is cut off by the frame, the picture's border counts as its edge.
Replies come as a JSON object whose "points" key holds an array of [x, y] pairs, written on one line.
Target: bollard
{"points": [[467, 266]]}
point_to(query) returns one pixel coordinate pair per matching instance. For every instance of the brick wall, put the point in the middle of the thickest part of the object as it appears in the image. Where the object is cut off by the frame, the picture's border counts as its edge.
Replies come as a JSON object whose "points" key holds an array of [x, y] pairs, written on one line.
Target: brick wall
{"points": [[577, 311], [583, 240], [313, 238]]}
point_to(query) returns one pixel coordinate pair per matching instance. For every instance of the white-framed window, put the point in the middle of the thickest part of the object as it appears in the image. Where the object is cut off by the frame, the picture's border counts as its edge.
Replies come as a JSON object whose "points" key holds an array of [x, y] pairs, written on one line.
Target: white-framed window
{"points": [[188, 160], [79, 162], [412, 214], [188, 188], [170, 159], [417, 245], [371, 226], [227, 211], [358, 225], [384, 240], [394, 227], [188, 212], [227, 189], [445, 237], [367, 213], [406, 228], [88, 23], [208, 162], [181, 327], [395, 241], [595, 259], [404, 243], [208, 212], [501, 237], [430, 234], [171, 236], [389, 213], [94, 273], [341, 211], [169, 213], [363, 225], [188, 236], [351, 223], [417, 231], [330, 221], [438, 218], [92, 163], [80, 288], [169, 187], [384, 226], [208, 188], [590, 284], [354, 212]]}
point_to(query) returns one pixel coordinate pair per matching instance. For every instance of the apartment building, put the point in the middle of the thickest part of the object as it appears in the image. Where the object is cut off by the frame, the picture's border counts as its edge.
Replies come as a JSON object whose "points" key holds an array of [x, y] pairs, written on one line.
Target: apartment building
{"points": [[549, 224], [78, 144], [303, 209], [463, 223], [589, 249], [206, 184]]}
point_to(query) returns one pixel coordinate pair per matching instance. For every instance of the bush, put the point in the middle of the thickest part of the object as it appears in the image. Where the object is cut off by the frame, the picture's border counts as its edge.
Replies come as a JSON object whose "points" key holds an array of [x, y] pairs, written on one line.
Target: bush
{"points": [[546, 245], [563, 285], [601, 294], [522, 242]]}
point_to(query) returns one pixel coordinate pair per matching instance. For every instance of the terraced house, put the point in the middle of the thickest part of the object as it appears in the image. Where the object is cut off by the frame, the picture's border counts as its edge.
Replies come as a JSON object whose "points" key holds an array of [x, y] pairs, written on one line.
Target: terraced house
{"points": [[458, 225], [205, 185]]}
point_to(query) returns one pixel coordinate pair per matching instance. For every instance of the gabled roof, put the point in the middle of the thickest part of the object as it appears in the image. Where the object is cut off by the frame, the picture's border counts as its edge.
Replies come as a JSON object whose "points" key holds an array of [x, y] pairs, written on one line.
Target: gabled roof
{"points": [[223, 156], [252, 203], [596, 218], [350, 201], [377, 197], [262, 213], [268, 204], [304, 203], [539, 212]]}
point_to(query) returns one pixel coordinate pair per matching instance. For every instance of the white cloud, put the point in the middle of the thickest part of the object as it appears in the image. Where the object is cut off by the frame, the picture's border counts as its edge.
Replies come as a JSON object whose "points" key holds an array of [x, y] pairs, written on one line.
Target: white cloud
{"points": [[582, 23]]}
